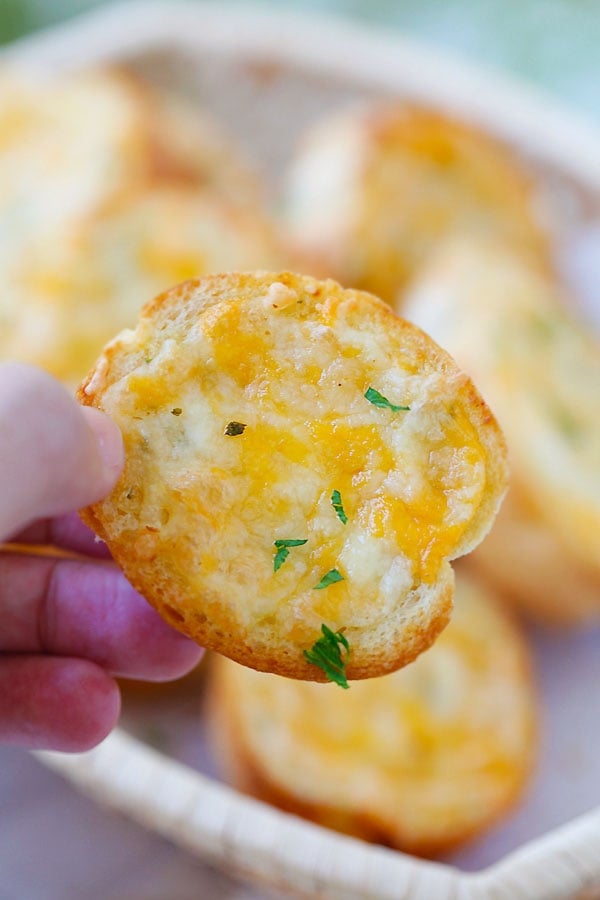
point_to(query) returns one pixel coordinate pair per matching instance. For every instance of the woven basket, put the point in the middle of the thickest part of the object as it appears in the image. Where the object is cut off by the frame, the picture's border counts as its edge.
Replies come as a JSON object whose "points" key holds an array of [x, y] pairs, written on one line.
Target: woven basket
{"points": [[267, 75]]}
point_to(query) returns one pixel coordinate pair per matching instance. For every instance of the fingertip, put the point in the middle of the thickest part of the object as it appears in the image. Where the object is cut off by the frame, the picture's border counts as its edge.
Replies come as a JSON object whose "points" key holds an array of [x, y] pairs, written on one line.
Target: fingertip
{"points": [[95, 710], [56, 703], [185, 655], [142, 645], [57, 456]]}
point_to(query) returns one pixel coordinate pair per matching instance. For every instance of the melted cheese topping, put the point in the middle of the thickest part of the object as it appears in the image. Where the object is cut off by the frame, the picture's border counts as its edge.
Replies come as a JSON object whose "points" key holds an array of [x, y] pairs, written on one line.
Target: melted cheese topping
{"points": [[431, 752], [411, 481]]}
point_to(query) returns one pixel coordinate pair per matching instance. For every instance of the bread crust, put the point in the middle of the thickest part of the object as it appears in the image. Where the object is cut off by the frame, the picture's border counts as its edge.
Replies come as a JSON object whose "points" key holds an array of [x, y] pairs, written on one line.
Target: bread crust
{"points": [[272, 739], [373, 190], [194, 519]]}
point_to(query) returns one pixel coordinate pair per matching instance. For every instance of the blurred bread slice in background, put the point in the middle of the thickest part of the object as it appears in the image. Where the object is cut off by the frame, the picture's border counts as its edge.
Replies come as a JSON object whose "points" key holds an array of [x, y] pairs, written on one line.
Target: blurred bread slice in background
{"points": [[422, 760], [110, 192], [508, 324], [80, 288], [375, 188], [70, 145]]}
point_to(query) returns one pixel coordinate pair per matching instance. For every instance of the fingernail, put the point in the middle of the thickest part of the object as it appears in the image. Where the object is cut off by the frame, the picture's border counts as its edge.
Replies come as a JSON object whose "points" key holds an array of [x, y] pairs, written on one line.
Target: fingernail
{"points": [[108, 437]]}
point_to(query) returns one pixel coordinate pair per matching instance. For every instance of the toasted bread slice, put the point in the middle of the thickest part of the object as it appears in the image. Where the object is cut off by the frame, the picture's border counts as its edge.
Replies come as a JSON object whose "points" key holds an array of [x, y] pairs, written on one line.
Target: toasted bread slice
{"points": [[110, 192], [421, 760], [530, 564], [74, 293], [69, 146], [374, 189], [296, 455], [508, 325]]}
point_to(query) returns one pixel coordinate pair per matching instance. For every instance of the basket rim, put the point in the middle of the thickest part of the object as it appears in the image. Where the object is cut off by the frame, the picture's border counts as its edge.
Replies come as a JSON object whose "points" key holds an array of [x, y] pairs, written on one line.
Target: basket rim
{"points": [[215, 821], [331, 44]]}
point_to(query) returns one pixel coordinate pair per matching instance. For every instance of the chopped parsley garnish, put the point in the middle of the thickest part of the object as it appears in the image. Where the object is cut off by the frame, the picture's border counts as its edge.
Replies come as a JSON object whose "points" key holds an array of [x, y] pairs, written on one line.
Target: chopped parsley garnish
{"points": [[234, 428], [378, 399], [177, 411], [336, 502], [283, 551], [331, 578], [326, 653]]}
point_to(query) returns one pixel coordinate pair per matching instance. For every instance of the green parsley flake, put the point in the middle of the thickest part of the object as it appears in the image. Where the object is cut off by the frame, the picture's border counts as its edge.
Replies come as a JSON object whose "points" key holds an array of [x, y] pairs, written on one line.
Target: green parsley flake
{"points": [[234, 428], [378, 399], [336, 502], [326, 653], [283, 552], [177, 411], [332, 576]]}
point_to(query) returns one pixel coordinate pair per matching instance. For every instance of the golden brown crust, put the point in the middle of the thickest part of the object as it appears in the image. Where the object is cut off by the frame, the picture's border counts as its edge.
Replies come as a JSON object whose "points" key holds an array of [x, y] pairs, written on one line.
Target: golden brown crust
{"points": [[247, 719], [194, 520]]}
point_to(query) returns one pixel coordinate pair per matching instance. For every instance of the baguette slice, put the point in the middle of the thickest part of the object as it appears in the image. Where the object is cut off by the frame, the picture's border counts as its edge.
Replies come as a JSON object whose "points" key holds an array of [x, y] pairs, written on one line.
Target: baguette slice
{"points": [[374, 189], [296, 456], [86, 283], [70, 145], [110, 192], [508, 325], [421, 760]]}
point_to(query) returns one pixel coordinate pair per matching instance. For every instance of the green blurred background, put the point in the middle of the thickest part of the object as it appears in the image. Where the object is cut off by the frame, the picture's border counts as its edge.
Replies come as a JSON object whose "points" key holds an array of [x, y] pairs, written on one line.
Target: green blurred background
{"points": [[552, 43]]}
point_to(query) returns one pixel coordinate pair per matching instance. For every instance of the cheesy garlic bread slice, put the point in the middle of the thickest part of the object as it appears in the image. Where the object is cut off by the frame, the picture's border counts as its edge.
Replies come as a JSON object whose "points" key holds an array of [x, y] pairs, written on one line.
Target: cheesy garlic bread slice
{"points": [[374, 189], [70, 145], [421, 760], [301, 465], [110, 192], [506, 322], [82, 286]]}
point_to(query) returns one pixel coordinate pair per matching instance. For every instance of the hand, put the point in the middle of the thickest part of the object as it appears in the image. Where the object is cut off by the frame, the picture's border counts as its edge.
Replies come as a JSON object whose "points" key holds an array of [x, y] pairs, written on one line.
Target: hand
{"points": [[67, 626]]}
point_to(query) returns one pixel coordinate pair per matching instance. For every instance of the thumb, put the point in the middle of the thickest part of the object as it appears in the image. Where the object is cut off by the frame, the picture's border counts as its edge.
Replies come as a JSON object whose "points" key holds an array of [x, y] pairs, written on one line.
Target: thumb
{"points": [[55, 456]]}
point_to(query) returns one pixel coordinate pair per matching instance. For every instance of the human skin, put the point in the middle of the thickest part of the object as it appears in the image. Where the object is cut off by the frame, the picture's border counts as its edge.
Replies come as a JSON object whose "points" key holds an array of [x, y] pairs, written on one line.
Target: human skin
{"points": [[68, 626]]}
